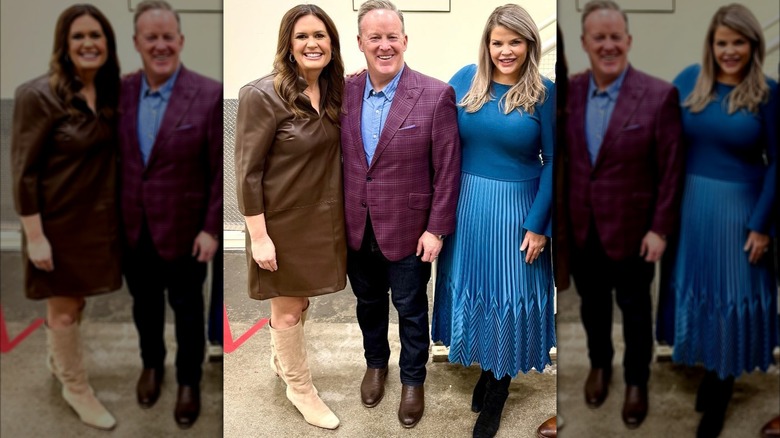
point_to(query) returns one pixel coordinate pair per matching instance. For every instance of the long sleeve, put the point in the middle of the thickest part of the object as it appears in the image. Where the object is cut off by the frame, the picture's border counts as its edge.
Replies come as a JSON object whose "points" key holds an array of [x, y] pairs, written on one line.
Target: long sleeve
{"points": [[255, 132], [213, 222], [32, 124], [761, 218], [539, 219], [446, 158], [669, 156]]}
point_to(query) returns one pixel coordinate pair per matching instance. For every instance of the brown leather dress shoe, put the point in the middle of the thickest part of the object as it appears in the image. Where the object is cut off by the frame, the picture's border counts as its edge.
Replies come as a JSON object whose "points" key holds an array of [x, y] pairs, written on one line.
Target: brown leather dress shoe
{"points": [[548, 429], [635, 406], [771, 429], [187, 406], [147, 390], [597, 386], [372, 389], [412, 405]]}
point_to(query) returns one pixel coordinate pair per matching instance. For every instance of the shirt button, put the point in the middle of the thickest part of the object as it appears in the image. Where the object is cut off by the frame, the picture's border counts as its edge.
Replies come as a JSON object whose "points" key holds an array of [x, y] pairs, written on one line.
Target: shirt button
{"points": [[374, 135]]}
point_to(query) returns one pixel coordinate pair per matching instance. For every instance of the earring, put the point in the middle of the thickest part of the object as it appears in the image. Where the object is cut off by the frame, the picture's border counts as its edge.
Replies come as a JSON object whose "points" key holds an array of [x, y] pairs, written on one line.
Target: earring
{"points": [[291, 58]]}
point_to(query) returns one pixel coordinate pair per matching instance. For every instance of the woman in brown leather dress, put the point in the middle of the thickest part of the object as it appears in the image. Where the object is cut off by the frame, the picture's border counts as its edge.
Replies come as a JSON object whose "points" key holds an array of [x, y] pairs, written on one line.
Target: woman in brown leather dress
{"points": [[63, 153], [288, 173]]}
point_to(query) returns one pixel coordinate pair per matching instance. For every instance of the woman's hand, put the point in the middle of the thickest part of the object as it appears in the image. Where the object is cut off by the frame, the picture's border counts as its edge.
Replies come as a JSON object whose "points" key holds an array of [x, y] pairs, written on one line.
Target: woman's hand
{"points": [[756, 245], [264, 253], [39, 253], [533, 245]]}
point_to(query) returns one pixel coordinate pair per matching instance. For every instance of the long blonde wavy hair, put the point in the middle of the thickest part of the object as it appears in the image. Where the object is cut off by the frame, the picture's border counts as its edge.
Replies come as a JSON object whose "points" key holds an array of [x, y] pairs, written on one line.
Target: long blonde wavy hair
{"points": [[529, 90], [752, 90]]}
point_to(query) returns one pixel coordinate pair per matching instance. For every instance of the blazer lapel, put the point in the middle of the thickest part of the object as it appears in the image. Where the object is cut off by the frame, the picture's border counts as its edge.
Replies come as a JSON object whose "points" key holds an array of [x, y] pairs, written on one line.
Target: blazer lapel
{"points": [[406, 95], [577, 105], [131, 89], [182, 97], [628, 101], [355, 107]]}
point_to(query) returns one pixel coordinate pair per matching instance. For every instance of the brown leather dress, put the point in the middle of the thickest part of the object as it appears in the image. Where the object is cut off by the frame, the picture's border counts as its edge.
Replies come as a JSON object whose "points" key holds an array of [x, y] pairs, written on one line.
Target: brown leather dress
{"points": [[291, 171], [64, 168]]}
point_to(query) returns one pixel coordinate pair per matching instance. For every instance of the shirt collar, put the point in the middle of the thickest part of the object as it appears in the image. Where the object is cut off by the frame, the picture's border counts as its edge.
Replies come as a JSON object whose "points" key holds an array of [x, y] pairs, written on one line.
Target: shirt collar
{"points": [[612, 89], [389, 90], [166, 89]]}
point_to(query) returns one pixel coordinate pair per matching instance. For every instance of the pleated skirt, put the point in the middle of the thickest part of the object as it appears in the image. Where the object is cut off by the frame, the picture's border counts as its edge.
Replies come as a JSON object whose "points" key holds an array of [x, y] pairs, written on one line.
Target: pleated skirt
{"points": [[490, 306], [725, 315]]}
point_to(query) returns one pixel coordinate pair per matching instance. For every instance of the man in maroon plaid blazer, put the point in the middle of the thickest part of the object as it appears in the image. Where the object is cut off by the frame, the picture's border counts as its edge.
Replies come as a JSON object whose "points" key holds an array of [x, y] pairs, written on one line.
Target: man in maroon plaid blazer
{"points": [[624, 175], [401, 183], [170, 135]]}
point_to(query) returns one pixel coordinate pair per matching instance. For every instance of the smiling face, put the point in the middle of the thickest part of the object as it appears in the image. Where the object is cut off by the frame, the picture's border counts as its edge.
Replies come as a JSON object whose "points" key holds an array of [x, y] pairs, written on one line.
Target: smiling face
{"points": [[508, 51], [606, 40], [158, 40], [383, 42], [732, 53], [311, 45], [87, 46]]}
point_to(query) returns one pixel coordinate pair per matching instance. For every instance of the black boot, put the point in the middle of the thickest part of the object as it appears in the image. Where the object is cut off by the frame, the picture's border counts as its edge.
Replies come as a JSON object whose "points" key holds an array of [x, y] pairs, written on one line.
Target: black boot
{"points": [[711, 423], [704, 393], [478, 398], [496, 393]]}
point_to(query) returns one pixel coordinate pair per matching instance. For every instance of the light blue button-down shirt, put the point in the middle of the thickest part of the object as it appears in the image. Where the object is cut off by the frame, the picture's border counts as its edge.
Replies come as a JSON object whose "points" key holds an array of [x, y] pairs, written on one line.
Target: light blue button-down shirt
{"points": [[599, 110], [376, 107], [151, 108]]}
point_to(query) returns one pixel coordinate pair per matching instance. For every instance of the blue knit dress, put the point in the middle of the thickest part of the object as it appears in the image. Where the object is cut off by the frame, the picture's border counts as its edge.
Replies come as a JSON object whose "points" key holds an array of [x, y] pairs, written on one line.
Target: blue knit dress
{"points": [[725, 314], [490, 307]]}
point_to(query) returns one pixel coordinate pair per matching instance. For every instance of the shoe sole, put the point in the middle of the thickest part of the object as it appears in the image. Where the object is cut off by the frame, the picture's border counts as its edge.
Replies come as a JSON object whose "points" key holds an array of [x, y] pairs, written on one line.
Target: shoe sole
{"points": [[372, 405]]}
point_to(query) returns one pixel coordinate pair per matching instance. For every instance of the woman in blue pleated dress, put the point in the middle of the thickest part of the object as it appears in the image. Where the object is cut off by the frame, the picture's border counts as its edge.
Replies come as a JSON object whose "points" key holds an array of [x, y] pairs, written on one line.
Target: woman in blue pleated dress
{"points": [[724, 289], [493, 303]]}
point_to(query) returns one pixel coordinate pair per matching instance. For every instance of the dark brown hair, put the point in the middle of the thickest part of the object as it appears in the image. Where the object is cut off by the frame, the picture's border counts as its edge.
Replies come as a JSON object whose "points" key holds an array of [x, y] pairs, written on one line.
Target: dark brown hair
{"points": [[64, 80], [286, 79]]}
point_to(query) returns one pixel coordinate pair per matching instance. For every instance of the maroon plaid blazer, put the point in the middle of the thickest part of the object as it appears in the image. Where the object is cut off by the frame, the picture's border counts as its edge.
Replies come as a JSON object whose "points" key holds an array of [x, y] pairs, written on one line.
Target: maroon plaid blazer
{"points": [[179, 191], [413, 182], [635, 184]]}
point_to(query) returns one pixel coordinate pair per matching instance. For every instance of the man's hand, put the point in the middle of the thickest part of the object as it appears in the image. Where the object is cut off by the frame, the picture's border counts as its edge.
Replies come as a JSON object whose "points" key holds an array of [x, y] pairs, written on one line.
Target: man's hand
{"points": [[204, 247], [429, 245], [533, 245], [39, 252], [653, 246], [756, 245], [264, 253]]}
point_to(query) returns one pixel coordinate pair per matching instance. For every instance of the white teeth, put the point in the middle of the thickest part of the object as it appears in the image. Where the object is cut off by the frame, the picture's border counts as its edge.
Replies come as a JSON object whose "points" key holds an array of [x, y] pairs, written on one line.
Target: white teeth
{"points": [[313, 55], [386, 57]]}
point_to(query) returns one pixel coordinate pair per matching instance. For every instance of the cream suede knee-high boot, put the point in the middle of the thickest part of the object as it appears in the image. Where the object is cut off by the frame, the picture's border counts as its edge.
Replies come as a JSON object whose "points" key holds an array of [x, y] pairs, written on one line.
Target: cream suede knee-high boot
{"points": [[294, 365], [67, 354], [49, 357], [274, 360]]}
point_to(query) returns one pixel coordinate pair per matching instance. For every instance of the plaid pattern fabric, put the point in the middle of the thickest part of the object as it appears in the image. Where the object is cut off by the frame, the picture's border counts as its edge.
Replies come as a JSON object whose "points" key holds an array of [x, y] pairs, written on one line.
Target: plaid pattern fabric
{"points": [[179, 192], [413, 181], [635, 184]]}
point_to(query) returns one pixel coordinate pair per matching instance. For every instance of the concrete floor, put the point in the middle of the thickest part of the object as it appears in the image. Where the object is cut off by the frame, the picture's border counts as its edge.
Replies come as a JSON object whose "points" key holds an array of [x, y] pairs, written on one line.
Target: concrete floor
{"points": [[672, 390], [31, 404], [256, 406]]}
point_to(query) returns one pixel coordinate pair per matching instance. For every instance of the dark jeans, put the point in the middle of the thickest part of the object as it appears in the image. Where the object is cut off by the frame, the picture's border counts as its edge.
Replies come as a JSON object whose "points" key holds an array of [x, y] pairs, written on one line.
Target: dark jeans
{"points": [[595, 275], [371, 275], [148, 276], [216, 306]]}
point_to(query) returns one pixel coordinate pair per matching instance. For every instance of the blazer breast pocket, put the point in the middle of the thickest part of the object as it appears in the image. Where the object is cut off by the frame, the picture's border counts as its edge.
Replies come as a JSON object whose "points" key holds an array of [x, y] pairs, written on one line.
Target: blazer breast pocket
{"points": [[184, 127], [631, 127]]}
